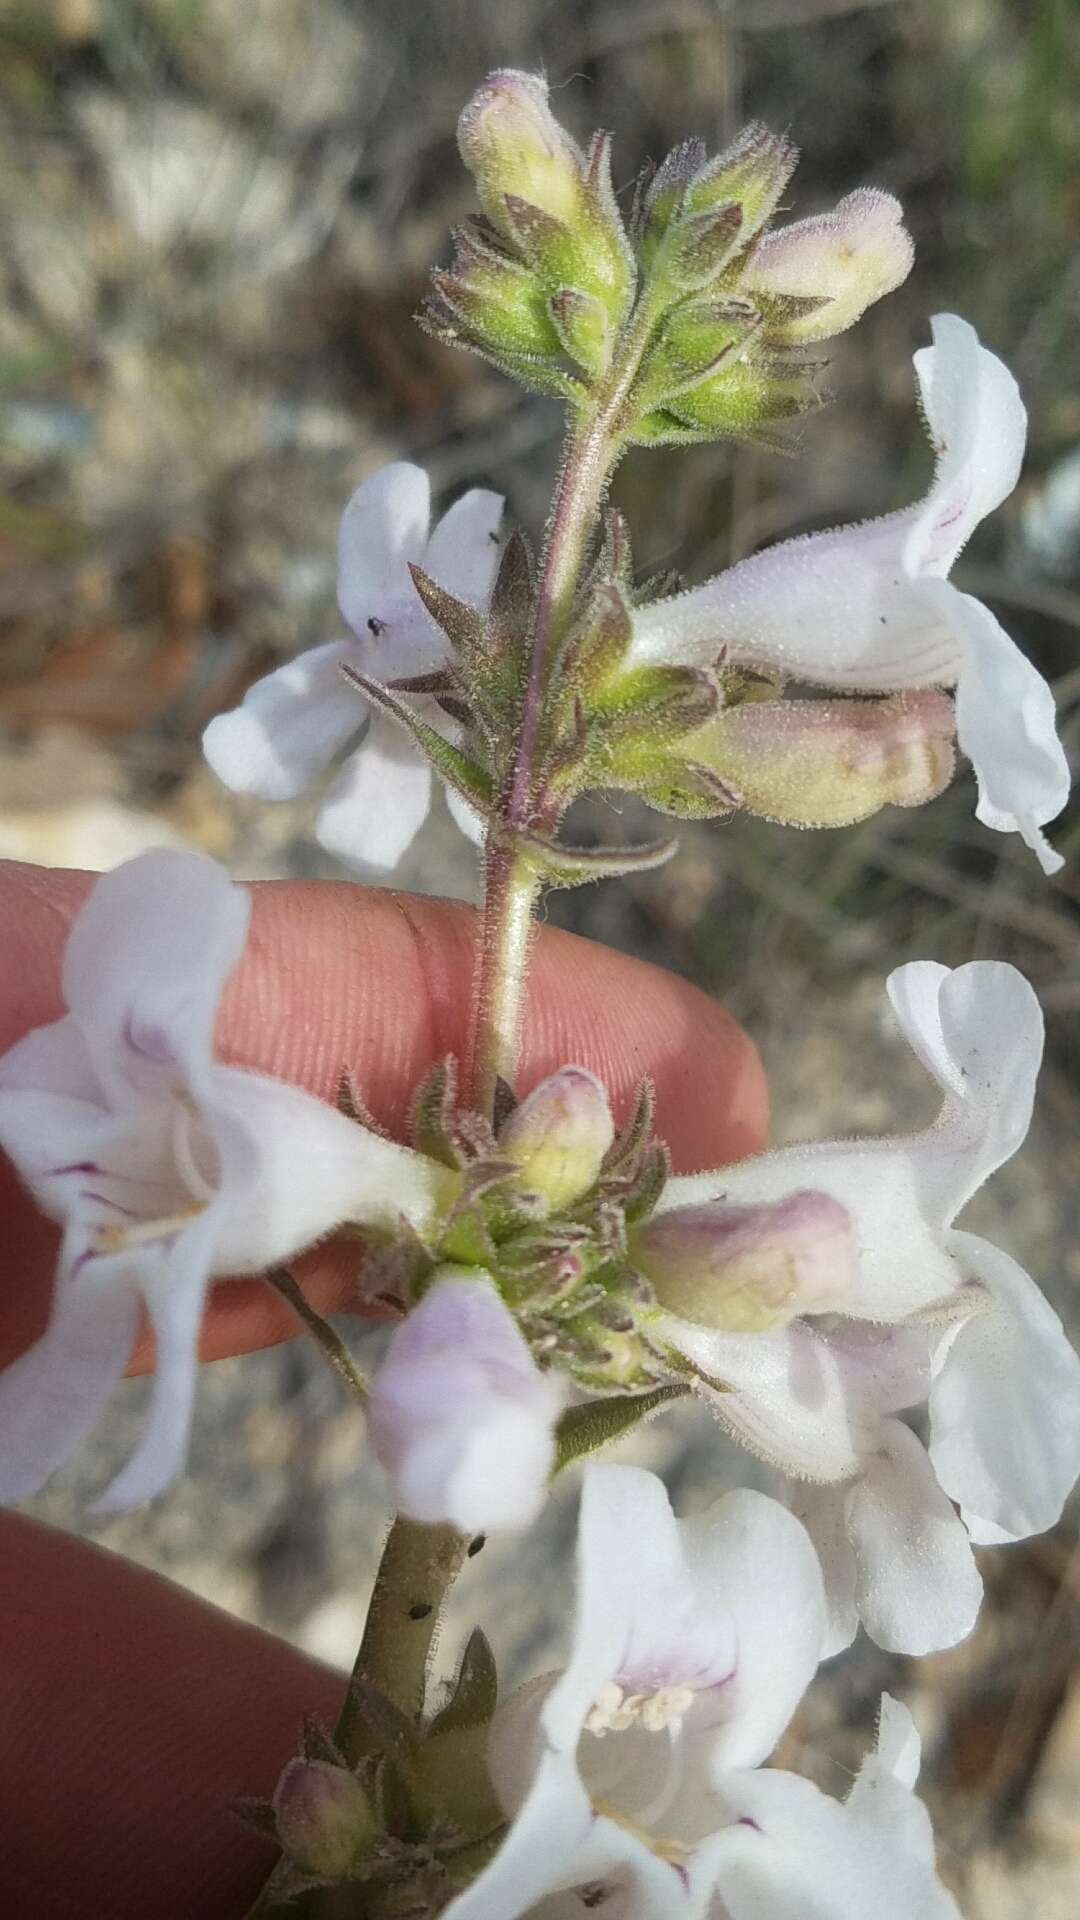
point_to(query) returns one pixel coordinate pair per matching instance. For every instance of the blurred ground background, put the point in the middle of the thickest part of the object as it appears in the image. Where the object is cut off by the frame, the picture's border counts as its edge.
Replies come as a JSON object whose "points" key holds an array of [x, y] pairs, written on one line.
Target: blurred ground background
{"points": [[215, 221]]}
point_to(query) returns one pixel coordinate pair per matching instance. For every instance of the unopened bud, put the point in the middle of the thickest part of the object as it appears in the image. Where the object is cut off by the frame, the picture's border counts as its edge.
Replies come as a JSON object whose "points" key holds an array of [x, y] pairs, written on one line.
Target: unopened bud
{"points": [[752, 173], [512, 143], [461, 1418], [747, 397], [559, 1135], [828, 763], [832, 267], [325, 1820], [743, 1269]]}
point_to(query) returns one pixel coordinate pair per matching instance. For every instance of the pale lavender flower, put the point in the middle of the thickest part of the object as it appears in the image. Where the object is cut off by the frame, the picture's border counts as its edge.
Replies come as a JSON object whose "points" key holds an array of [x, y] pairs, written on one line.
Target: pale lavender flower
{"points": [[634, 1776], [920, 1312], [870, 608], [296, 720], [163, 1167], [461, 1417]]}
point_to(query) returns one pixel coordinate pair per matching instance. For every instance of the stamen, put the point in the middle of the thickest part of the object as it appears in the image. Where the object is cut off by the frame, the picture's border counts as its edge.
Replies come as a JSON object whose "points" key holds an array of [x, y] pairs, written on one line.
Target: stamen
{"points": [[115, 1238], [661, 1711]]}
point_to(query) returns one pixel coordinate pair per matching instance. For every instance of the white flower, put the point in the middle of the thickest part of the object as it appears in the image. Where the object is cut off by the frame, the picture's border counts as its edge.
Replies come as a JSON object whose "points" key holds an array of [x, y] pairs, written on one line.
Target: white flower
{"points": [[461, 1418], [921, 1312], [870, 609], [163, 1167], [295, 721], [631, 1776]]}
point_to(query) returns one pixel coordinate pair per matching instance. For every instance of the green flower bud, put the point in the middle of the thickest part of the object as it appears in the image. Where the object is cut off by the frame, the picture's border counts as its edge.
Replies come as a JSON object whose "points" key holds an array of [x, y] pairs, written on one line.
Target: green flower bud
{"points": [[753, 173], [325, 1820], [828, 763], [512, 143], [831, 267], [559, 1135]]}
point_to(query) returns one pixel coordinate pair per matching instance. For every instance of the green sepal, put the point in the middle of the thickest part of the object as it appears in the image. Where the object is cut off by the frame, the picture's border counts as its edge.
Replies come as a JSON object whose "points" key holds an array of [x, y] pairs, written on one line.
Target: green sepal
{"points": [[476, 1690], [683, 789], [461, 772], [630, 1141], [663, 429], [599, 642], [751, 395], [561, 866], [389, 1731], [583, 327], [646, 1183], [661, 198], [699, 247], [462, 624], [609, 233], [530, 370], [507, 315], [584, 1430], [450, 1778], [699, 343], [754, 170], [663, 701], [434, 1106]]}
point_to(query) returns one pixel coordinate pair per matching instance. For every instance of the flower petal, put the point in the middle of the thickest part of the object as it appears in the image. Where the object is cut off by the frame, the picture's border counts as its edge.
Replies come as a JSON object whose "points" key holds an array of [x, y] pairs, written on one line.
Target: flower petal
{"points": [[642, 1620], [174, 1287], [783, 1394], [384, 527], [539, 1851], [147, 959], [823, 1512], [463, 551], [461, 1418], [748, 1556], [835, 609], [898, 1264], [978, 1029], [792, 1853], [1005, 1405], [1006, 723], [379, 801], [53, 1394], [978, 425], [288, 726], [299, 1168], [917, 1587]]}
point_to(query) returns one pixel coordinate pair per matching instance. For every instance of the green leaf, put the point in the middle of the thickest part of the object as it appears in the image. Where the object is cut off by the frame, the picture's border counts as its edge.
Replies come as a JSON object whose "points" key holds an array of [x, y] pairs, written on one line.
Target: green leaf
{"points": [[599, 1423], [563, 866], [454, 766]]}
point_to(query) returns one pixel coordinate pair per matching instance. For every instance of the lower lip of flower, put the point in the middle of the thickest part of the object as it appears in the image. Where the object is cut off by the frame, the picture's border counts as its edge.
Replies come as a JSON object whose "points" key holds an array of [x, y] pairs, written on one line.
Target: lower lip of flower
{"points": [[672, 1851]]}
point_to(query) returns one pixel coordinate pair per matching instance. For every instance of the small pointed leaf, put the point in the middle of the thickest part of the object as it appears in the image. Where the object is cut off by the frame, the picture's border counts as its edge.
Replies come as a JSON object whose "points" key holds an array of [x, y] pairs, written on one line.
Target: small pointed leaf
{"points": [[462, 625], [455, 767], [475, 1694], [563, 866], [599, 1423]]}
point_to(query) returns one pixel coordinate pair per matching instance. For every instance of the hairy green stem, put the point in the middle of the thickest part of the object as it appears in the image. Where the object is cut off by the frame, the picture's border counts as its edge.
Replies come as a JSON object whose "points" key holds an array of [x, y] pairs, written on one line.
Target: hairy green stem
{"points": [[509, 898], [418, 1567], [593, 445]]}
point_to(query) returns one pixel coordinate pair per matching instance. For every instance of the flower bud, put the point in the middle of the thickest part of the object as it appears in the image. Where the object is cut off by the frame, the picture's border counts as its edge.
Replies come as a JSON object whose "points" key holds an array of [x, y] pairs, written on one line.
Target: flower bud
{"points": [[461, 1418], [752, 173], [559, 1136], [840, 261], [828, 763], [512, 143], [325, 1820], [743, 1269]]}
